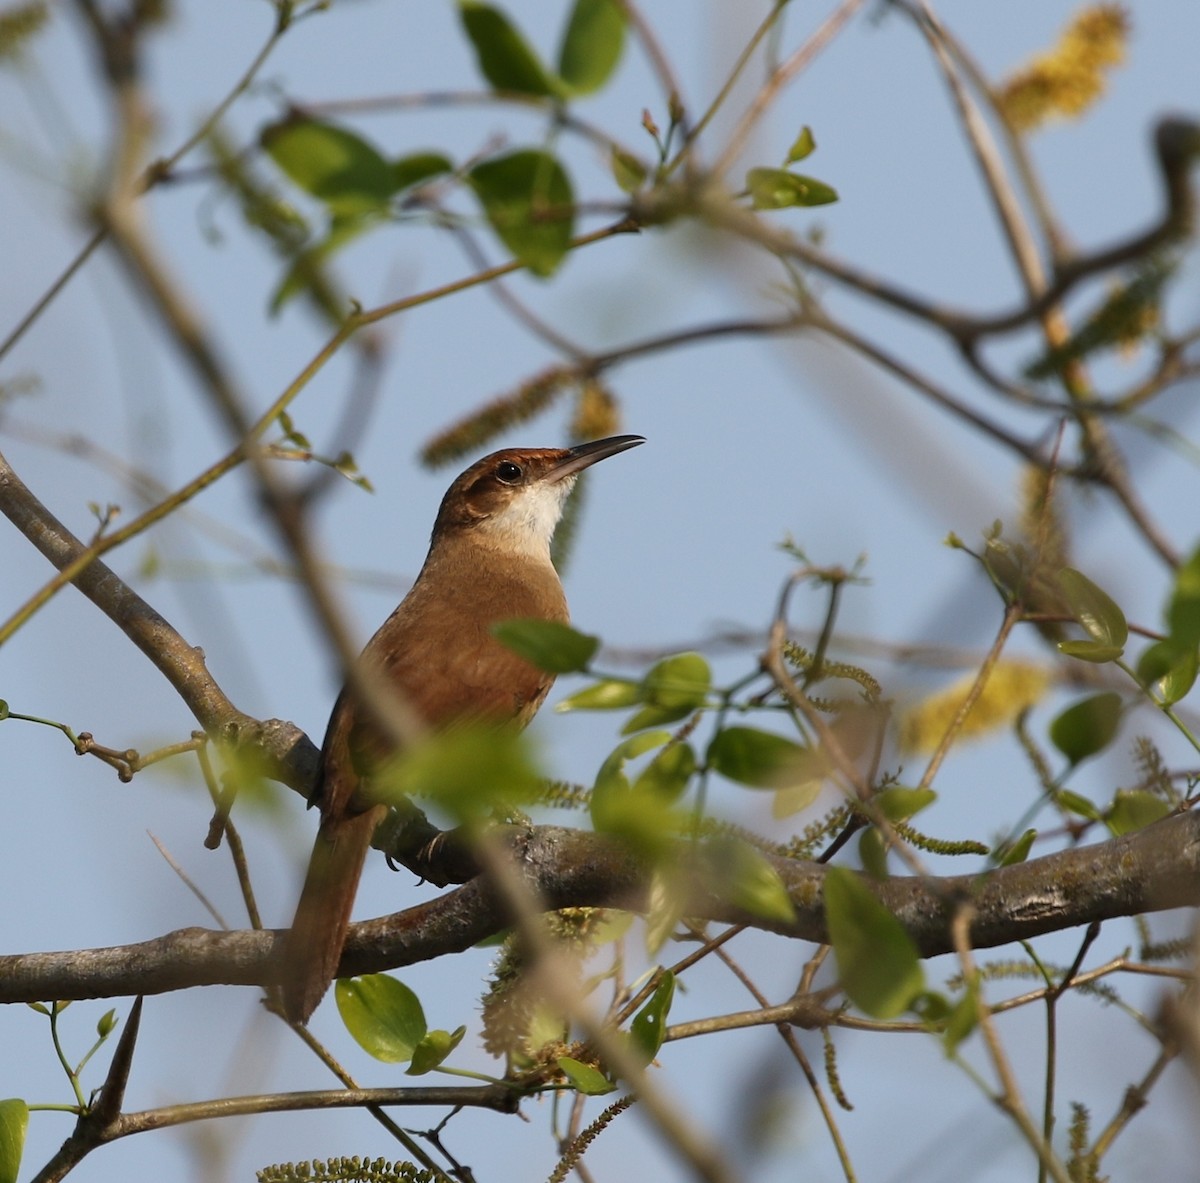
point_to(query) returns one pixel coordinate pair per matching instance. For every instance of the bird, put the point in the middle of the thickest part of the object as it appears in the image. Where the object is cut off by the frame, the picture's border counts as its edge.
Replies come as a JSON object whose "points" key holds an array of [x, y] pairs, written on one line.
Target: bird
{"points": [[488, 561]]}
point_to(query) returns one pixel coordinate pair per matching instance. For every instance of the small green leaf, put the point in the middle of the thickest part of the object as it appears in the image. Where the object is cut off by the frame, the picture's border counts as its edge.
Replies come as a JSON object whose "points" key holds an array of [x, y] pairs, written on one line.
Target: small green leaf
{"points": [[1091, 651], [1167, 671], [548, 644], [14, 1123], [307, 270], [667, 775], [962, 1020], [505, 58], [898, 804], [1093, 609], [416, 167], [383, 1015], [527, 199], [608, 695], [872, 853], [1134, 809], [627, 170], [1087, 727], [1016, 852], [106, 1024], [433, 1049], [877, 962], [650, 1023], [671, 690], [332, 164], [776, 188], [1074, 803], [591, 1082], [804, 146], [4, 712], [1183, 610], [592, 44], [759, 758], [744, 877]]}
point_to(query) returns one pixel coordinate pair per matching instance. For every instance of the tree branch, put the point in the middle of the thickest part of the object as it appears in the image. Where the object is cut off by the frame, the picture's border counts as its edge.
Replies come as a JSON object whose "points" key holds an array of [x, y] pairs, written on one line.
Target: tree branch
{"points": [[1150, 870]]}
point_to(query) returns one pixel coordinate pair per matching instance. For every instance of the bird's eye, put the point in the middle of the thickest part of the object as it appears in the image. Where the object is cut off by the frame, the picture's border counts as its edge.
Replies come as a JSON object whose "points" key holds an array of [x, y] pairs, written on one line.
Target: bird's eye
{"points": [[508, 472]]}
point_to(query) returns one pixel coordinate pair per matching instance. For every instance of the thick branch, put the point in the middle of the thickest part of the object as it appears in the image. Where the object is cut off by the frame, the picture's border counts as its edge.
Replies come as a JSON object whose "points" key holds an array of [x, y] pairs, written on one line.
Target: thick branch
{"points": [[1148, 871]]}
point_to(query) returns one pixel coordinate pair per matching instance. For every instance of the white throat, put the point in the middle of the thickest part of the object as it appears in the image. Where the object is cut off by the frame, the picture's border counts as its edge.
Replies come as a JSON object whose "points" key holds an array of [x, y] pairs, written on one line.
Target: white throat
{"points": [[526, 525]]}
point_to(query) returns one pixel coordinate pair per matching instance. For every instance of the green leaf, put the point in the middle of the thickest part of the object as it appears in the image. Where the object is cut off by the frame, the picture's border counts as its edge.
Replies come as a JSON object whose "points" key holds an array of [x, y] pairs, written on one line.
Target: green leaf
{"points": [[667, 775], [472, 769], [650, 1023], [612, 772], [548, 644], [872, 853], [1074, 803], [1087, 727], [1016, 852], [877, 962], [1091, 651], [306, 273], [505, 58], [611, 694], [527, 199], [383, 1015], [106, 1024], [671, 690], [643, 819], [1167, 671], [761, 759], [1093, 609], [627, 170], [332, 164], [433, 1049], [1183, 610], [744, 877], [898, 804], [14, 1123], [591, 1082], [1134, 809], [776, 188], [962, 1020], [3, 709], [592, 44], [416, 167], [804, 146]]}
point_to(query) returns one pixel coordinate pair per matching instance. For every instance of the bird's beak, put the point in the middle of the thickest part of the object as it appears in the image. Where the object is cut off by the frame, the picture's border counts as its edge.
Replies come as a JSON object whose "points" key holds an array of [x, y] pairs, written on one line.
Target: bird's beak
{"points": [[581, 457]]}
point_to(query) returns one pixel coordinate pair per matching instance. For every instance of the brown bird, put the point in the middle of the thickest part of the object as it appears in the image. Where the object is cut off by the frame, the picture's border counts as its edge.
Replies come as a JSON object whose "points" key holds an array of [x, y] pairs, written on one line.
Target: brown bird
{"points": [[488, 561]]}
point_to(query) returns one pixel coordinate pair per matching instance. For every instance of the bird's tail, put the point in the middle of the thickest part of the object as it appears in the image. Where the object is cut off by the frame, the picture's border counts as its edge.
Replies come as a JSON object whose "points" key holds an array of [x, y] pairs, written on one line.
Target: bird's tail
{"points": [[313, 946]]}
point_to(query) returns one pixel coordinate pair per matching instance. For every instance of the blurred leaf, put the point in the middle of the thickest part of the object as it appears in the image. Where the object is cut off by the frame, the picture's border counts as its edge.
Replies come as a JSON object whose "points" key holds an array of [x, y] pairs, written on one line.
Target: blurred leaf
{"points": [[1167, 671], [872, 853], [1018, 851], [650, 1023], [804, 146], [306, 273], [962, 1020], [743, 877], [332, 164], [1183, 610], [473, 769], [776, 188], [14, 1123], [1091, 651], [877, 962], [527, 199], [610, 694], [550, 645], [627, 170], [762, 759], [898, 804], [1093, 609], [592, 44], [383, 1015], [794, 798], [1074, 803], [1087, 727], [612, 772], [591, 1082], [1134, 809], [667, 775], [505, 58], [433, 1049], [416, 167]]}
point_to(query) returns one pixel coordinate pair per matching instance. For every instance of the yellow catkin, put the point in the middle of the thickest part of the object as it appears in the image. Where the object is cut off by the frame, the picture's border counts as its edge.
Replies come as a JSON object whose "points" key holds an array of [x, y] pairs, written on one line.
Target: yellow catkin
{"points": [[1067, 80], [1012, 687]]}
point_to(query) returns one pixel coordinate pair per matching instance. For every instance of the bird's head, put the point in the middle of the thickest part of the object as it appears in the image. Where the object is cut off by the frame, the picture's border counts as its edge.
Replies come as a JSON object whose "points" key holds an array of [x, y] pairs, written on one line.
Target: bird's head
{"points": [[512, 499]]}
